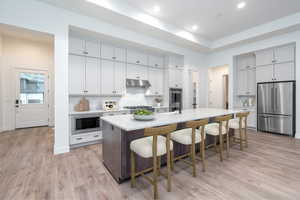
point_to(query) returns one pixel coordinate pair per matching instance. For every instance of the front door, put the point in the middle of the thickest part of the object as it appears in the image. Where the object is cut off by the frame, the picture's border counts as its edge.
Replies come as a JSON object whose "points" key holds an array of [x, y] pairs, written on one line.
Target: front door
{"points": [[31, 103]]}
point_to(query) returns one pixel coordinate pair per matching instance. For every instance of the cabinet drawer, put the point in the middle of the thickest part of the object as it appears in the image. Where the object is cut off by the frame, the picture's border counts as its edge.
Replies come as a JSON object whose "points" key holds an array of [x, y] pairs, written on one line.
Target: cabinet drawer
{"points": [[83, 138]]}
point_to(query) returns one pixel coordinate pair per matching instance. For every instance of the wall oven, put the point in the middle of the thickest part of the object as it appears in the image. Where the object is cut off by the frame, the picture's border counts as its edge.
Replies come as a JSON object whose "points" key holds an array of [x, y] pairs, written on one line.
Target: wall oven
{"points": [[85, 123]]}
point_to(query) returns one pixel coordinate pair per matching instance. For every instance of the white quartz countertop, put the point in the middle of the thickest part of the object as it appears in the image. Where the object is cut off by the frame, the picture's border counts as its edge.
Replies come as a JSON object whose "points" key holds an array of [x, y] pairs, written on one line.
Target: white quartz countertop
{"points": [[127, 123], [95, 112]]}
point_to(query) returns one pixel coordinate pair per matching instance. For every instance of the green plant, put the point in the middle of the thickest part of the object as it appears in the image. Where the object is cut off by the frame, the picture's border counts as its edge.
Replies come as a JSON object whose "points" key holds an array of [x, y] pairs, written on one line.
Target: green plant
{"points": [[143, 112]]}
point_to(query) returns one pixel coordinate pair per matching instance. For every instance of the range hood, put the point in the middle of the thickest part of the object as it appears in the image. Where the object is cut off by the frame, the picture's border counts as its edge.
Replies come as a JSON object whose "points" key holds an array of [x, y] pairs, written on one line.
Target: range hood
{"points": [[137, 83]]}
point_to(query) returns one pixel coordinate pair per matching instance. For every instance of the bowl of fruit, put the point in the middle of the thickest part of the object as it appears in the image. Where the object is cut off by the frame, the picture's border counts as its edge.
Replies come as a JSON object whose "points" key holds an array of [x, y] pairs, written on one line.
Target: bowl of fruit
{"points": [[143, 115]]}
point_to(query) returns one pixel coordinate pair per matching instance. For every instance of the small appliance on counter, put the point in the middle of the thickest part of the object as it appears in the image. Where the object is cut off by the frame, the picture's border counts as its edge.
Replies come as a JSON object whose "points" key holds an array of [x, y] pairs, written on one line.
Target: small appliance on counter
{"points": [[110, 105], [84, 105]]}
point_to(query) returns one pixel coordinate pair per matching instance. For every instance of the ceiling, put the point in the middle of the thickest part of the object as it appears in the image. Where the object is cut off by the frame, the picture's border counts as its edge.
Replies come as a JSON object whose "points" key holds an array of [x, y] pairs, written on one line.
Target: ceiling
{"points": [[218, 18]]}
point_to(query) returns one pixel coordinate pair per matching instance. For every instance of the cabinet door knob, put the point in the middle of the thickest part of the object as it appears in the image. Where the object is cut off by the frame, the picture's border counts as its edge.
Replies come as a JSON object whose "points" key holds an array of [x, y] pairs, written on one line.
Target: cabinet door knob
{"points": [[138, 61]]}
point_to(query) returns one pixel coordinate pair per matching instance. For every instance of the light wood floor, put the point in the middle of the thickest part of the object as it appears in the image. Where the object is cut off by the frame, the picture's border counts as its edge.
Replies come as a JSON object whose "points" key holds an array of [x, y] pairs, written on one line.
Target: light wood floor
{"points": [[268, 169]]}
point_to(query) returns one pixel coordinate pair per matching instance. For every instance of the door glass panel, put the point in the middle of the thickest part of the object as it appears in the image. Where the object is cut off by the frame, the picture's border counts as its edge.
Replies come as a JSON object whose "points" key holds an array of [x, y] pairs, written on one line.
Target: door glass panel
{"points": [[32, 88]]}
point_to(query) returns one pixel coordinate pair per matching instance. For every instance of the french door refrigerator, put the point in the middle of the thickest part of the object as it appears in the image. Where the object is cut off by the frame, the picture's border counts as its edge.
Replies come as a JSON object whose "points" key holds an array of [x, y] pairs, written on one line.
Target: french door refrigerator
{"points": [[276, 107]]}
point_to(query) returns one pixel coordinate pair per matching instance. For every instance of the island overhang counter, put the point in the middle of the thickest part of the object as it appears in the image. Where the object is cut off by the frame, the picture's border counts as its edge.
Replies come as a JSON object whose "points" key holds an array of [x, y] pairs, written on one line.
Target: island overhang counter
{"points": [[118, 131]]}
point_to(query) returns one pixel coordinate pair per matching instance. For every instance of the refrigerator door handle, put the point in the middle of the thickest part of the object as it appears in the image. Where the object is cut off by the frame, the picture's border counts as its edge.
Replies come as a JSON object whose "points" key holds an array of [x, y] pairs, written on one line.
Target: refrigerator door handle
{"points": [[275, 99], [272, 98]]}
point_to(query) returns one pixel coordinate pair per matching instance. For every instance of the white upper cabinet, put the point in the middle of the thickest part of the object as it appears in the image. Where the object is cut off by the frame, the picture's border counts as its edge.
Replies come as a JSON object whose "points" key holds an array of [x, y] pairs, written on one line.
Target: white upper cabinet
{"points": [[284, 72], [156, 61], [156, 80], [176, 61], [76, 74], [246, 61], [264, 57], [175, 78], [113, 53], [251, 81], [76, 46], [120, 54], [264, 74], [284, 54], [107, 52], [79, 46], [107, 77], [136, 57], [136, 72], [84, 75], [92, 49], [92, 76], [120, 77]]}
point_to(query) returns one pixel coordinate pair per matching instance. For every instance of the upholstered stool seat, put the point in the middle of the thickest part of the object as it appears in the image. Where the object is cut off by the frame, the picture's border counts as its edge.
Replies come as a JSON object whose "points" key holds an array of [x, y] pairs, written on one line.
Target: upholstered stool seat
{"points": [[213, 129], [143, 146], [184, 136], [235, 123]]}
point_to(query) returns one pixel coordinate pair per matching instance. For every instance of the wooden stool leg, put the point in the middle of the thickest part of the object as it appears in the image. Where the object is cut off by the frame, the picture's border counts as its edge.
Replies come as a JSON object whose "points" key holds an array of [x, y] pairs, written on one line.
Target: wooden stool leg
{"points": [[246, 137], [193, 159], [169, 170], [221, 147], [203, 154], [241, 138], [133, 182]]}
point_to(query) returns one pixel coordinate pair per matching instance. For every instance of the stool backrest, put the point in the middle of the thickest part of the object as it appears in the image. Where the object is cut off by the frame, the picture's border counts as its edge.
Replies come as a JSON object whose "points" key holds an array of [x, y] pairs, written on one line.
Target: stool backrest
{"points": [[156, 131], [243, 116], [223, 119], [197, 124]]}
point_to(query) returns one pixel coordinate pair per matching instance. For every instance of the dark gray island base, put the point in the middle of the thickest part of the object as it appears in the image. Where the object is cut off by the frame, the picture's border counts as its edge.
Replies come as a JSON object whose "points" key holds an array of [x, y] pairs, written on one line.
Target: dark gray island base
{"points": [[116, 150]]}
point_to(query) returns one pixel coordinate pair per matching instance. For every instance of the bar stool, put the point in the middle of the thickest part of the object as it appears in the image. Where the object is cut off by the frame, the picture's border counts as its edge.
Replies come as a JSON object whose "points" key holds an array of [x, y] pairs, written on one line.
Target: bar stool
{"points": [[191, 136], [154, 145], [220, 129], [240, 123]]}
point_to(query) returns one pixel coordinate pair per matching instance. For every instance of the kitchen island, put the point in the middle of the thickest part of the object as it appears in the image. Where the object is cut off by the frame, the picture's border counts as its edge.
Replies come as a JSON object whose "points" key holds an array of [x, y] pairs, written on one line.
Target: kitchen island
{"points": [[118, 131]]}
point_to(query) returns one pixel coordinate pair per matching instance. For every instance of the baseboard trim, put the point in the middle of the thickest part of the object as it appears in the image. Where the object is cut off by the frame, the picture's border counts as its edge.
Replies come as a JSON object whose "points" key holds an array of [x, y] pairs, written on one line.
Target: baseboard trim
{"points": [[61, 150]]}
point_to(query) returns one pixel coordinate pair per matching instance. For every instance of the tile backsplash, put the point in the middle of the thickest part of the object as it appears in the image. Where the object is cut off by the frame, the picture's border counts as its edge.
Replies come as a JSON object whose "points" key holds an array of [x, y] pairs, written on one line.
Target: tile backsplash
{"points": [[132, 97]]}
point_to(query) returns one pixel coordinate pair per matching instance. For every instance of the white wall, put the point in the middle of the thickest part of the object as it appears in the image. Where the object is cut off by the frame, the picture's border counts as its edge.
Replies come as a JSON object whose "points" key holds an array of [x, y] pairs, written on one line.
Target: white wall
{"points": [[226, 57], [25, 54], [41, 17]]}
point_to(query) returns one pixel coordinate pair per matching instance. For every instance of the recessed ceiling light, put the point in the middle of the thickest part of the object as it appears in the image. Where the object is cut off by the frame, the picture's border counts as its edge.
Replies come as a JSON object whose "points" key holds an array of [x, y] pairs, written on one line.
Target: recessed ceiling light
{"points": [[195, 27], [156, 9], [241, 5]]}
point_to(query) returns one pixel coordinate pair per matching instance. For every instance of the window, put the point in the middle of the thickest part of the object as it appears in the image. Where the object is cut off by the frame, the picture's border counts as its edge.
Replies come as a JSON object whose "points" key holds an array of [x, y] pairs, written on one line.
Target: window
{"points": [[32, 88]]}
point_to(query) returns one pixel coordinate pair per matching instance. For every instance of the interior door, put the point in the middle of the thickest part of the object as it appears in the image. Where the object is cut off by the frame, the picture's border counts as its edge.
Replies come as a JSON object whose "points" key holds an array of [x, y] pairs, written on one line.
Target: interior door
{"points": [[31, 104]]}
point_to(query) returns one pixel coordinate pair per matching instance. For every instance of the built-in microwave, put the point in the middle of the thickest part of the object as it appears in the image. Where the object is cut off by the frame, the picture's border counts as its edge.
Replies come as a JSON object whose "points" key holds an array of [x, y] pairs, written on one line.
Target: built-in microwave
{"points": [[85, 123]]}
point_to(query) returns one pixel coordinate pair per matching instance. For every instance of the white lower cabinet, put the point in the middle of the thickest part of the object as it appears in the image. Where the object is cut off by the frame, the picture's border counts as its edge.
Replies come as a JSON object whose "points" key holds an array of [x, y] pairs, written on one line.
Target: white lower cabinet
{"points": [[136, 72], [175, 78], [252, 119], [113, 75], [84, 75], [155, 77], [85, 138]]}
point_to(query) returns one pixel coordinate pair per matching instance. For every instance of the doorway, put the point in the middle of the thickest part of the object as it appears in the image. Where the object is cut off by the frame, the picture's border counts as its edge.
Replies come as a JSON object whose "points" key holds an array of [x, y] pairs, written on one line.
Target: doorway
{"points": [[218, 87], [31, 102]]}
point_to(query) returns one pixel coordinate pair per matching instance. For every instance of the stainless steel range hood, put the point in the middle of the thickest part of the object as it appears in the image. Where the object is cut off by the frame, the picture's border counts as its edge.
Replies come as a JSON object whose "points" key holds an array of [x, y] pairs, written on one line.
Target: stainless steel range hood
{"points": [[137, 83]]}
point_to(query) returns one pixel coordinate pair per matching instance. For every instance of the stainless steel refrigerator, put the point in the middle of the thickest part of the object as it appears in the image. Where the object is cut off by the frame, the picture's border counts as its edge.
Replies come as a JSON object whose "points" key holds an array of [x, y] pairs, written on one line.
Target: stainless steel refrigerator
{"points": [[276, 107]]}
